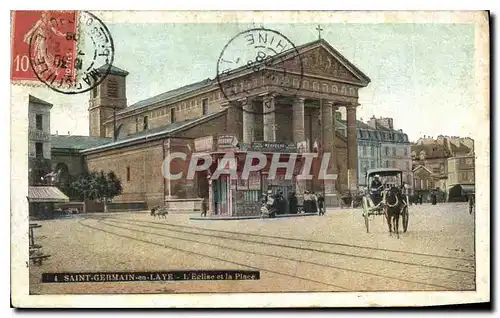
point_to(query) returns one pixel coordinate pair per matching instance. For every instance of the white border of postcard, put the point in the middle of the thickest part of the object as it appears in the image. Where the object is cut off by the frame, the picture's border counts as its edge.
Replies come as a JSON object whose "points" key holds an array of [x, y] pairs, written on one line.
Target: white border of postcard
{"points": [[19, 178]]}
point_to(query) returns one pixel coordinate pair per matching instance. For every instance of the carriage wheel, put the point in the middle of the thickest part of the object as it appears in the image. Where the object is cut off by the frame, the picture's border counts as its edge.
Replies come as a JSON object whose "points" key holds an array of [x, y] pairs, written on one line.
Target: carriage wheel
{"points": [[405, 216]]}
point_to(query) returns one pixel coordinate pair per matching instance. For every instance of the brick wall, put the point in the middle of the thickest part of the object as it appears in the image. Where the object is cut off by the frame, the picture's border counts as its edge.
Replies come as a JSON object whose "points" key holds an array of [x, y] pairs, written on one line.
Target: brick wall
{"points": [[160, 116], [214, 126], [144, 163]]}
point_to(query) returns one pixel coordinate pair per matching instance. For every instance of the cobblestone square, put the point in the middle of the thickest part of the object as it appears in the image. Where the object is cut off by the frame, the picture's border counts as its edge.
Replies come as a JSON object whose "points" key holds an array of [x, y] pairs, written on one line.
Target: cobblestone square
{"points": [[313, 253]]}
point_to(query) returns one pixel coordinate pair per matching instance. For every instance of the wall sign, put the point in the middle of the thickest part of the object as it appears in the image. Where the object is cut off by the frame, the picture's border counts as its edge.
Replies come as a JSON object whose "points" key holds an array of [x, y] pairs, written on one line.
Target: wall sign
{"points": [[39, 135], [226, 141], [204, 144], [267, 146]]}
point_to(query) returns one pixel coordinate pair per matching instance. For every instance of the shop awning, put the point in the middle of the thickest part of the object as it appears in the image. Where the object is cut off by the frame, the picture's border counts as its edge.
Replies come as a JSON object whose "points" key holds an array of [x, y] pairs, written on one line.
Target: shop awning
{"points": [[46, 194], [467, 189]]}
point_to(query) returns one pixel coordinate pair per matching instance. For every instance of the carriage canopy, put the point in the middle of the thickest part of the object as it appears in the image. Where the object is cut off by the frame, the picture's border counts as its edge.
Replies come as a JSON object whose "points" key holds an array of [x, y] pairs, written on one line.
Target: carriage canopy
{"points": [[383, 172], [394, 176]]}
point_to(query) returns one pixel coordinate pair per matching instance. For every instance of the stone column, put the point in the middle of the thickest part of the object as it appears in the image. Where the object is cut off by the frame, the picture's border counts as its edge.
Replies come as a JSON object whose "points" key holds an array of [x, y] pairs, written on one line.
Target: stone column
{"points": [[248, 122], [328, 138], [269, 118], [234, 120], [298, 131], [298, 120], [352, 146], [333, 157]]}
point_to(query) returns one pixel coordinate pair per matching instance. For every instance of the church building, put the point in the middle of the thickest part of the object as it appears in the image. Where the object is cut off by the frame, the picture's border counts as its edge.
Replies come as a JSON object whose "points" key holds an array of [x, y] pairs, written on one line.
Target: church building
{"points": [[302, 102]]}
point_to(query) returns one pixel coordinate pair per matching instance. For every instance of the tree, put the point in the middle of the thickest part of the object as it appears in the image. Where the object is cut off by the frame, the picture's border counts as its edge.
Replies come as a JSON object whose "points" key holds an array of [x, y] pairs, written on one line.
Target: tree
{"points": [[114, 185], [109, 186], [97, 186]]}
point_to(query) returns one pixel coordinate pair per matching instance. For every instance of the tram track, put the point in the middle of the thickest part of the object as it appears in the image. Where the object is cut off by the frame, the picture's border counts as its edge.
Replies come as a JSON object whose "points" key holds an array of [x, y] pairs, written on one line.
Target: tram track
{"points": [[118, 224], [210, 256], [370, 248], [308, 249]]}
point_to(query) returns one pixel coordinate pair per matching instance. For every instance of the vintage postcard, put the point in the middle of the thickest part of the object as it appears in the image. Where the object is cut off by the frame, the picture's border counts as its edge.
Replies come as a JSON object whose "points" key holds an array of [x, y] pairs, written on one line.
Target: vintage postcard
{"points": [[249, 159]]}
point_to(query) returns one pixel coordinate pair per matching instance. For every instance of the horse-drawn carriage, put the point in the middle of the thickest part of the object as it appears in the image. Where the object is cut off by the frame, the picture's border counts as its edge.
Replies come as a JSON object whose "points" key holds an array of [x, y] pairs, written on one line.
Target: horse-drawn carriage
{"points": [[390, 199]]}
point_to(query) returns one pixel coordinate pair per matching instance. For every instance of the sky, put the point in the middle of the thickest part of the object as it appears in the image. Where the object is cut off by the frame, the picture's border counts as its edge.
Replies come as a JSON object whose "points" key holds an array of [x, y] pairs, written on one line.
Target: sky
{"points": [[422, 75]]}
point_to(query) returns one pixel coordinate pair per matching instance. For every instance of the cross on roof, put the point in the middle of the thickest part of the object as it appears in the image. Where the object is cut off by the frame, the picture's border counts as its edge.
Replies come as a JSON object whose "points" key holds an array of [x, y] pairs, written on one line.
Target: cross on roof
{"points": [[319, 29]]}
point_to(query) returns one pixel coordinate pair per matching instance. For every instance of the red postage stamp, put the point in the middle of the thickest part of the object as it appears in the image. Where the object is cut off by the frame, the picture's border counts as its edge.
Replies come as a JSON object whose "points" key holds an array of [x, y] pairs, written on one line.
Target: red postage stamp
{"points": [[30, 25]]}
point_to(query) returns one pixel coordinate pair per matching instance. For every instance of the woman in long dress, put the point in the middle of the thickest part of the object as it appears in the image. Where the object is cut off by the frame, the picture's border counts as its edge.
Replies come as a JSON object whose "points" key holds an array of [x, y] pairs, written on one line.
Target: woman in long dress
{"points": [[292, 203], [314, 203], [307, 202]]}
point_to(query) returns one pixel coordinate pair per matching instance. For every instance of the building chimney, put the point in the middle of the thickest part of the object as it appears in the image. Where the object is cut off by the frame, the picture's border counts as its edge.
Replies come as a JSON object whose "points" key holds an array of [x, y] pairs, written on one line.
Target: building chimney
{"points": [[372, 122], [385, 122], [68, 133]]}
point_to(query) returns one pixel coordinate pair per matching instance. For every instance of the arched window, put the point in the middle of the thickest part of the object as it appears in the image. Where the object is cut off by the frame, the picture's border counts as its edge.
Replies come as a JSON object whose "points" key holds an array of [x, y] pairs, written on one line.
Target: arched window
{"points": [[62, 168]]}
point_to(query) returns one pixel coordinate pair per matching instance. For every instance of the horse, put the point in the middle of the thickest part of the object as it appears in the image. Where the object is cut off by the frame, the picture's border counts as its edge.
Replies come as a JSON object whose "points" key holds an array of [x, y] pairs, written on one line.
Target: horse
{"points": [[394, 202], [159, 211]]}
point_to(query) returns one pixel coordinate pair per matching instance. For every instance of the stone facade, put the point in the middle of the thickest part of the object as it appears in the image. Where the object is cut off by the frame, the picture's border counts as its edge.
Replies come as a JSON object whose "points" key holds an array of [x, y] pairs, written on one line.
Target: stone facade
{"points": [[461, 170], [39, 153], [449, 159], [379, 145], [139, 169], [423, 179], [105, 100], [139, 166], [304, 107]]}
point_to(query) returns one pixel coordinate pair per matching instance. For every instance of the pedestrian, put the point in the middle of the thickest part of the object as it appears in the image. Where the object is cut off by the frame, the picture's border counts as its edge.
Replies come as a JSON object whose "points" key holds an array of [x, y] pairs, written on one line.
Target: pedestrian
{"points": [[281, 203], [292, 203], [204, 207], [314, 203], [272, 203], [433, 198], [472, 203], [321, 203], [307, 202]]}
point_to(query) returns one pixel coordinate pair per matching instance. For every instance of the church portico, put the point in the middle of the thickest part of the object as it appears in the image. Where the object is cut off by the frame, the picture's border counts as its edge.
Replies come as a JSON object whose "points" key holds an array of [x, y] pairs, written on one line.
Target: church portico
{"points": [[309, 123]]}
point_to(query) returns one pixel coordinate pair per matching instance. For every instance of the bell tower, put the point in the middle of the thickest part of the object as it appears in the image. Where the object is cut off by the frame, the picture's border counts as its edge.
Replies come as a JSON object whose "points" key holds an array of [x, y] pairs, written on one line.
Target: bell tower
{"points": [[108, 97]]}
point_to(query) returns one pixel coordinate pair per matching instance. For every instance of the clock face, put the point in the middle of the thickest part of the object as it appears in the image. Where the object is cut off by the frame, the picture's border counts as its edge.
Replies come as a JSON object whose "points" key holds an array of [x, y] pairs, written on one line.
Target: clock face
{"points": [[255, 59]]}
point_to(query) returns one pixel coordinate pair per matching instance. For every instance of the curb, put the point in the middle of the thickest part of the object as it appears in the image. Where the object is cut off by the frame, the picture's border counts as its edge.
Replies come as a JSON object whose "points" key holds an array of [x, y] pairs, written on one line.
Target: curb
{"points": [[250, 217]]}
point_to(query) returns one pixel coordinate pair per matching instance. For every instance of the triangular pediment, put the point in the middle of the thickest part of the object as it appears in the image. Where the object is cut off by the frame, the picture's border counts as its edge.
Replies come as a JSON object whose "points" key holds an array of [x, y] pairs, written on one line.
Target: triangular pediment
{"points": [[421, 171], [320, 58]]}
